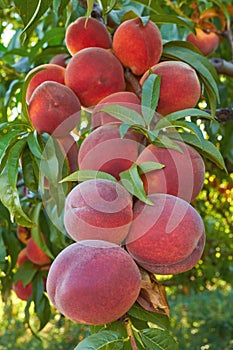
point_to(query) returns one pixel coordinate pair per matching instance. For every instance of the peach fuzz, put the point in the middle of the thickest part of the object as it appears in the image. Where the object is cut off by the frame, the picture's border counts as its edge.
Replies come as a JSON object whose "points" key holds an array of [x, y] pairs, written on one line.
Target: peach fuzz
{"points": [[123, 98], [54, 108], [207, 43], [104, 150], [180, 87], [42, 73], [182, 176], [35, 254], [84, 33], [137, 46], [93, 282], [98, 209], [168, 237], [94, 73]]}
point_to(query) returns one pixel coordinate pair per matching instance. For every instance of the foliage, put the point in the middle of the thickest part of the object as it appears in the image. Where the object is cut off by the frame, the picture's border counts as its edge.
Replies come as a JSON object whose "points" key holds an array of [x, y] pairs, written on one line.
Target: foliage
{"points": [[36, 35]]}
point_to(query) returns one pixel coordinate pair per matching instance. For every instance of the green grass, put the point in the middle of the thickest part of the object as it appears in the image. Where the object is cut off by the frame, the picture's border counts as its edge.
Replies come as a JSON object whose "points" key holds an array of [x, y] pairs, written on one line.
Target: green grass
{"points": [[200, 322]]}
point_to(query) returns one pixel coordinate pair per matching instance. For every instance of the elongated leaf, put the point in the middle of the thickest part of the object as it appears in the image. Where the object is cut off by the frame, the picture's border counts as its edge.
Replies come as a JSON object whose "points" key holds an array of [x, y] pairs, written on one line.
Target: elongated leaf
{"points": [[150, 97], [6, 140], [190, 126], [103, 340], [139, 313], [126, 115], [83, 175], [34, 145], [123, 129], [25, 273], [158, 339], [131, 180], [190, 112], [90, 5], [30, 170], [10, 198], [146, 167], [167, 142], [13, 161]]}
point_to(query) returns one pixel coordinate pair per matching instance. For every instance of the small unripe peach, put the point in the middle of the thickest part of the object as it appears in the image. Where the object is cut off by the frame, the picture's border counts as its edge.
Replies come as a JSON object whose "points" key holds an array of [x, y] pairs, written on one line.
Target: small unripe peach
{"points": [[207, 43], [180, 87], [93, 74], [54, 108], [85, 33], [93, 282], [42, 73], [137, 46]]}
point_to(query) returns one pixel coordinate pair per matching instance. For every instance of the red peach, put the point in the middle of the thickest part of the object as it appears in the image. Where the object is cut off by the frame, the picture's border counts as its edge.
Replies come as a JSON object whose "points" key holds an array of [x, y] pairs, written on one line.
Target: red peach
{"points": [[60, 59], [85, 33], [98, 209], [45, 72], [23, 234], [137, 46], [168, 237], [22, 292], [93, 282], [180, 87], [207, 43], [93, 74], [35, 254]]}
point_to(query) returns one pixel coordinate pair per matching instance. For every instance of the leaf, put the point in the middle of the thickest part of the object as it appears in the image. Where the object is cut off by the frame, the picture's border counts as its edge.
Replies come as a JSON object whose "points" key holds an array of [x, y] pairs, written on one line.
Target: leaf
{"points": [[190, 112], [123, 129], [13, 161], [10, 199], [158, 339], [90, 5], [30, 170], [25, 273], [7, 139], [167, 142], [34, 145], [42, 305], [146, 167], [83, 175], [150, 97], [126, 115], [131, 180], [103, 340], [138, 312]]}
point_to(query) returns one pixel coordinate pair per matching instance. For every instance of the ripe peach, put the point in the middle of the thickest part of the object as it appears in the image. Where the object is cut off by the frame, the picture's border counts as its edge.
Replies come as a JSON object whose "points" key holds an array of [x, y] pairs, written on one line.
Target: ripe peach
{"points": [[22, 292], [93, 74], [54, 108], [60, 59], [122, 98], [137, 46], [82, 34], [93, 282], [98, 209], [46, 72], [22, 257], [207, 43], [182, 176], [167, 238], [23, 234], [35, 254], [180, 87], [104, 150]]}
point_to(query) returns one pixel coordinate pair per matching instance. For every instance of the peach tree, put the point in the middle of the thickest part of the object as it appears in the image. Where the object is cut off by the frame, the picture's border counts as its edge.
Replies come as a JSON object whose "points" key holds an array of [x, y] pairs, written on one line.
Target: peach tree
{"points": [[111, 114]]}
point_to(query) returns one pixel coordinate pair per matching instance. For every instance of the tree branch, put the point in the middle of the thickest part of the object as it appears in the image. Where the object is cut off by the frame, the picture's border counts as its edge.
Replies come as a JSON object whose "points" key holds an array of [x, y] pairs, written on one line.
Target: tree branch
{"points": [[222, 66]]}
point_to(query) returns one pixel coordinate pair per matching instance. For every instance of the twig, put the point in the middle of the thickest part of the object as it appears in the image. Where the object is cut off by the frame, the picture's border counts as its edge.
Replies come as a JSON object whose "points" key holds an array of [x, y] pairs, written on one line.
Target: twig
{"points": [[222, 114], [222, 66]]}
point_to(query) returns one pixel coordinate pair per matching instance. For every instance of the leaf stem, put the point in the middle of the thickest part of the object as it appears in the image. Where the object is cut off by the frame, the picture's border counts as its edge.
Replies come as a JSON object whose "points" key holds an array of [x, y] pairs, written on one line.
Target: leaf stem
{"points": [[127, 324]]}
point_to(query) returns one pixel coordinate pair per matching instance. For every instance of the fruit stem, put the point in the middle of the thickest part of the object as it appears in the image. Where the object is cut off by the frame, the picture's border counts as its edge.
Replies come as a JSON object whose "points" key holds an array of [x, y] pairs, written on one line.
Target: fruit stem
{"points": [[133, 81]]}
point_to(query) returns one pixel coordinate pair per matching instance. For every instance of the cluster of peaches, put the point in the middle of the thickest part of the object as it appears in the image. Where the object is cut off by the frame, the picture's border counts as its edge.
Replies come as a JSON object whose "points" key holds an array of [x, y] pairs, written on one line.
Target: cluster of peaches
{"points": [[97, 279]]}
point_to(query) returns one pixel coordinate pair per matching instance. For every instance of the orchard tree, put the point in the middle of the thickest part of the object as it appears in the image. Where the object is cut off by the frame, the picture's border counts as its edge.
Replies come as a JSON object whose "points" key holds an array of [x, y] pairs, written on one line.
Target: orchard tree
{"points": [[116, 121]]}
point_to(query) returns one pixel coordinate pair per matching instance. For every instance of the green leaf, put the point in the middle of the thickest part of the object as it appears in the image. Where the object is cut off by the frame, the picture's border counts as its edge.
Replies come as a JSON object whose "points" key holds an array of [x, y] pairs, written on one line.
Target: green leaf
{"points": [[10, 198], [30, 170], [146, 167], [158, 339], [7, 139], [126, 115], [34, 145], [190, 112], [83, 175], [42, 305], [90, 5], [138, 312], [103, 340], [131, 180], [167, 142], [123, 129], [150, 97], [13, 161], [25, 273]]}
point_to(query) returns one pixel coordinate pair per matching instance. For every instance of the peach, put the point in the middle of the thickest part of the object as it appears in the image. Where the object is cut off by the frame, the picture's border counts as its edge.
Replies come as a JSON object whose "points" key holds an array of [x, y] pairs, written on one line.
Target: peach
{"points": [[22, 257], [123, 98], [104, 150], [180, 87], [69, 148], [23, 234], [137, 46], [54, 108], [182, 176], [207, 43], [60, 59], [98, 209], [167, 238], [84, 33], [22, 292], [35, 254], [93, 282], [94, 73], [42, 73]]}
